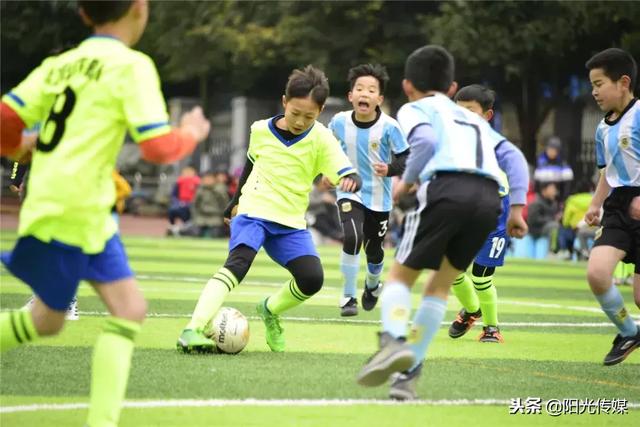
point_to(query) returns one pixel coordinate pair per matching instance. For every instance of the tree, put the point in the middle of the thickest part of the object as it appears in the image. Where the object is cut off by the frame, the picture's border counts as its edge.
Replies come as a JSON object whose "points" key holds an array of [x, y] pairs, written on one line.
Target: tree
{"points": [[519, 45]]}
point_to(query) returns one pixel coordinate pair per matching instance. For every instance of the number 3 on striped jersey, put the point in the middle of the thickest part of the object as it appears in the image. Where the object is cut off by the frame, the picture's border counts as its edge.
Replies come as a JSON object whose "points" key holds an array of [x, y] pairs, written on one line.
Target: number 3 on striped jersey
{"points": [[61, 109]]}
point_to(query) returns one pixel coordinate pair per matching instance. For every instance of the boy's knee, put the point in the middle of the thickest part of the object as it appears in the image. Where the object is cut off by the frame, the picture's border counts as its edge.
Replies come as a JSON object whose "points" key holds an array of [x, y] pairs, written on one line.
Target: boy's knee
{"points": [[598, 278], [310, 283], [239, 261], [352, 240], [47, 327], [134, 310], [308, 274]]}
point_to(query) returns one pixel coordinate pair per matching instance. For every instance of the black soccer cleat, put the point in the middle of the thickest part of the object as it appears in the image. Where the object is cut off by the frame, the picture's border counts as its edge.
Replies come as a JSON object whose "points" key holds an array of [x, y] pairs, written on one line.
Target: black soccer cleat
{"points": [[622, 347], [370, 296], [349, 307], [464, 321]]}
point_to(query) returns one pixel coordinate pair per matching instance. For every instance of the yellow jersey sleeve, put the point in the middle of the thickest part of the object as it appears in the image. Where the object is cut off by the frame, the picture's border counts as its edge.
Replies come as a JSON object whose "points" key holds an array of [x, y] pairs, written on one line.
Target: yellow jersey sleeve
{"points": [[29, 99], [144, 107], [332, 160]]}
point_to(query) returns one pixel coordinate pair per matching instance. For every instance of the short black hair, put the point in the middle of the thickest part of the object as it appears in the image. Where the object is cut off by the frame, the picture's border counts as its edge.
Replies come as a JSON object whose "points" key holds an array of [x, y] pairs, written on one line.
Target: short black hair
{"points": [[376, 71], [103, 11], [615, 63], [430, 67], [309, 81], [478, 93]]}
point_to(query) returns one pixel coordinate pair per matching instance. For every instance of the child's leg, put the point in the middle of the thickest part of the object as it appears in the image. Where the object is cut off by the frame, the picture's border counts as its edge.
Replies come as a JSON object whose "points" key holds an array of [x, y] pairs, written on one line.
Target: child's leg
{"points": [[375, 229], [352, 218], [602, 263], [223, 281], [113, 350], [488, 296], [247, 236], [53, 273], [20, 327], [307, 281]]}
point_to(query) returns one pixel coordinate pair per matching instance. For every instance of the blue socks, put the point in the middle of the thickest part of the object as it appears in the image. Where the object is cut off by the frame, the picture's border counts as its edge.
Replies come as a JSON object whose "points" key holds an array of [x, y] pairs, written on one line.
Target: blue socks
{"points": [[613, 306], [395, 307], [350, 265], [426, 323], [373, 275]]}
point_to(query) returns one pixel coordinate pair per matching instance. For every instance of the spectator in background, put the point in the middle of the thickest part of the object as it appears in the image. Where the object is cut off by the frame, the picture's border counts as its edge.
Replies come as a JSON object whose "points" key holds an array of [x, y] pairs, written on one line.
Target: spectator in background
{"points": [[573, 224], [123, 191], [182, 196], [322, 215], [551, 167], [543, 219], [209, 203]]}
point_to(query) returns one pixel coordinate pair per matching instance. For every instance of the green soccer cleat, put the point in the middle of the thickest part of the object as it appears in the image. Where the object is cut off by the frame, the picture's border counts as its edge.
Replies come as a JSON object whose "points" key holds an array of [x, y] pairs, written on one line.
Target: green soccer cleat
{"points": [[274, 332], [194, 341]]}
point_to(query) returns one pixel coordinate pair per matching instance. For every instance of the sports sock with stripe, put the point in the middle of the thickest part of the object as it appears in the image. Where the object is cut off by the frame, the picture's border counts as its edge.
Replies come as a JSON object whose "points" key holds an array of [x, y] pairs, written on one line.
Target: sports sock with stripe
{"points": [[286, 298], [488, 297], [16, 328], [463, 290], [110, 371], [212, 297]]}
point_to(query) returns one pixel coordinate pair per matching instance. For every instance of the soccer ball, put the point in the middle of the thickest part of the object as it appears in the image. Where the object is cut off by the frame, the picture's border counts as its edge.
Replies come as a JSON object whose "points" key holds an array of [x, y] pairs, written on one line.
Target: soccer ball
{"points": [[229, 329]]}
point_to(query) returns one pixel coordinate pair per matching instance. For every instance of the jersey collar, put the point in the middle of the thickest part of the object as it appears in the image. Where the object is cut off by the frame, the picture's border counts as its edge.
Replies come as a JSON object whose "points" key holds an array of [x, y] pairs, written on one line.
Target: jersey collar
{"points": [[290, 142], [627, 108]]}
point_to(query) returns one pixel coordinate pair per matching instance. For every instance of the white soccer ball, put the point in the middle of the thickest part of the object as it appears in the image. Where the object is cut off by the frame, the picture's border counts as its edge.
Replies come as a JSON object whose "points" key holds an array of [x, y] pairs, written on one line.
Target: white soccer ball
{"points": [[229, 329]]}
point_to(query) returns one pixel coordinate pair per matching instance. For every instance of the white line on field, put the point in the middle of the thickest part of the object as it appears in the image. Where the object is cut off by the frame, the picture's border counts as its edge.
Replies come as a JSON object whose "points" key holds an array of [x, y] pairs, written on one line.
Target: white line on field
{"points": [[209, 403], [374, 322], [277, 285]]}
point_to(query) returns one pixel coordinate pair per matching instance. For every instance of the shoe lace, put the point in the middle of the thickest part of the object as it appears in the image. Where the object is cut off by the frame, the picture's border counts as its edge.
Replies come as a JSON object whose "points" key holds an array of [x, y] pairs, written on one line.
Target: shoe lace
{"points": [[273, 321]]}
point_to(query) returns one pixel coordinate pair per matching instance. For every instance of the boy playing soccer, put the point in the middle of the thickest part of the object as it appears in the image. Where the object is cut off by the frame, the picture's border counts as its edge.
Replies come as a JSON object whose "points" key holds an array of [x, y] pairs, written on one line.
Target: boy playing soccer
{"points": [[87, 99], [285, 154], [456, 157], [613, 75], [369, 137], [483, 300]]}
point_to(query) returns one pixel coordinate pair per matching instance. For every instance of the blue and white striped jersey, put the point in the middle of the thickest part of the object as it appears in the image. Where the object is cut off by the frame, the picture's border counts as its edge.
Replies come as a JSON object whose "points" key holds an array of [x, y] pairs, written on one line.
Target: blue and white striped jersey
{"points": [[618, 147], [465, 141], [365, 146]]}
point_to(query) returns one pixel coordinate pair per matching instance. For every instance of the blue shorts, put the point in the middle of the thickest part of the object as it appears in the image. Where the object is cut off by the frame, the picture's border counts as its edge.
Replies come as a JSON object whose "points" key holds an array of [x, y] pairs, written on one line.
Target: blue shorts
{"points": [[54, 270], [281, 243], [495, 247]]}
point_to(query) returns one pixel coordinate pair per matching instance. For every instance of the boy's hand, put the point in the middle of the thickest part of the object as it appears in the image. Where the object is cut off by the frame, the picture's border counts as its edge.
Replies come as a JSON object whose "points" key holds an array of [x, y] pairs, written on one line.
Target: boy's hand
{"points": [[401, 188], [380, 168], [516, 225], [634, 208], [592, 217], [228, 215], [348, 185], [325, 184], [195, 123]]}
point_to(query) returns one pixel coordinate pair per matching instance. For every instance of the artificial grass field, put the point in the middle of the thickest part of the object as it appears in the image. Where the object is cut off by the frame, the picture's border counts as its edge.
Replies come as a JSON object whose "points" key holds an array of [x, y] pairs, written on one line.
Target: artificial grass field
{"points": [[555, 340]]}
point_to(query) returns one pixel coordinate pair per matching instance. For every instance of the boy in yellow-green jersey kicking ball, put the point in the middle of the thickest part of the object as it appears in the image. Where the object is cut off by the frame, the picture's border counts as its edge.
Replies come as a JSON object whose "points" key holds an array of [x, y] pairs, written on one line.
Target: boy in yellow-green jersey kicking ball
{"points": [[286, 153]]}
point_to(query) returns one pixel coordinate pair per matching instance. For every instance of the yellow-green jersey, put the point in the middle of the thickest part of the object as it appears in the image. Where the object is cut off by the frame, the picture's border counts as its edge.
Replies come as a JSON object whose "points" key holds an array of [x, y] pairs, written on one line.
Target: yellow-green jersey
{"points": [[86, 99], [283, 171]]}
